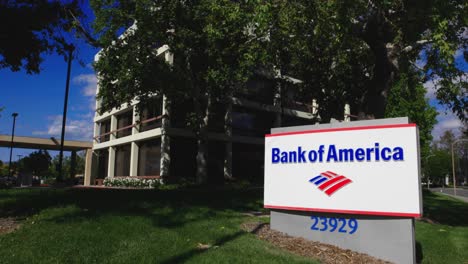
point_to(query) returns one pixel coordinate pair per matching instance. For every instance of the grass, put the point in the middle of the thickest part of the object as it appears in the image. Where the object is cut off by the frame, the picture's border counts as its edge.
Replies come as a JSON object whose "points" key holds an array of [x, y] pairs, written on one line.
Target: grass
{"points": [[166, 226], [445, 241], [120, 226]]}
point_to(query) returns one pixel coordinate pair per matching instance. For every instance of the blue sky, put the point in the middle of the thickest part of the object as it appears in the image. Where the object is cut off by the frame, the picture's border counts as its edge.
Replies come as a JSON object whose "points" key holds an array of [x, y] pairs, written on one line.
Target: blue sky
{"points": [[39, 100]]}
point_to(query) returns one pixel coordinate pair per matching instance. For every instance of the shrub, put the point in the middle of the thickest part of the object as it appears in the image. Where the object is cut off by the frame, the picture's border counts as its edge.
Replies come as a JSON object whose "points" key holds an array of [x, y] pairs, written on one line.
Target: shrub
{"points": [[132, 182]]}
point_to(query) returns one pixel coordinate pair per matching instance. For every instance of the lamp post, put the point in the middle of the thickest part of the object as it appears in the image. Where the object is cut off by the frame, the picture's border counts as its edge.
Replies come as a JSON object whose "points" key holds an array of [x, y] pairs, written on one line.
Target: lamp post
{"points": [[14, 115], [453, 165], [70, 48]]}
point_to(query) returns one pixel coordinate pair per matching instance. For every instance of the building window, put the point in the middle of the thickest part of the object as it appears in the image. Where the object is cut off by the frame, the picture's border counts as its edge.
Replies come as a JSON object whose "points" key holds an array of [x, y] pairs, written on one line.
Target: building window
{"points": [[123, 122], [122, 160], [149, 158], [104, 129], [151, 115], [103, 162], [249, 122]]}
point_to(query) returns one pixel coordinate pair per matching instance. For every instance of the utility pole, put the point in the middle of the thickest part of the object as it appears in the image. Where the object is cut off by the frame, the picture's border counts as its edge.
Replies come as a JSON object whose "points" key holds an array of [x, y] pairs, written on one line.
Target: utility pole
{"points": [[14, 115], [453, 165], [70, 48]]}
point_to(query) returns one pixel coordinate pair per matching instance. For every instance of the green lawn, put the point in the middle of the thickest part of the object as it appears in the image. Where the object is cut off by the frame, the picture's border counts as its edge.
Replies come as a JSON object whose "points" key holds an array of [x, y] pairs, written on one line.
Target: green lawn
{"points": [[446, 241], [120, 226], [165, 226]]}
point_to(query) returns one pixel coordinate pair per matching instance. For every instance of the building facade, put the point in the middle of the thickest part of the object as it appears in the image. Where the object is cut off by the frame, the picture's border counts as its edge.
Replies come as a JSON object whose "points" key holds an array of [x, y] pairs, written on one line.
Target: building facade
{"points": [[156, 142]]}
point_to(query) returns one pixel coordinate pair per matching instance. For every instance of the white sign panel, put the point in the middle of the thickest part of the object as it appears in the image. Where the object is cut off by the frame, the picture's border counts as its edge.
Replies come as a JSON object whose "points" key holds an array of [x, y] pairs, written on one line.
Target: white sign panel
{"points": [[371, 170]]}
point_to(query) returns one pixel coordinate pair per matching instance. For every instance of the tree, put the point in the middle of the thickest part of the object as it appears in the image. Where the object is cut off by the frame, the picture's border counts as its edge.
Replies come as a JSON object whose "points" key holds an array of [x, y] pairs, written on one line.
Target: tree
{"points": [[407, 98], [439, 165], [211, 57], [29, 29], [37, 162], [345, 52], [66, 167], [355, 51]]}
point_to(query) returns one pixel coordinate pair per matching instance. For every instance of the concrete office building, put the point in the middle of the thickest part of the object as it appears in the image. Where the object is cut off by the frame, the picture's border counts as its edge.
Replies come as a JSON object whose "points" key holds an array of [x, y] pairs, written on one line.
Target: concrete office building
{"points": [[156, 143]]}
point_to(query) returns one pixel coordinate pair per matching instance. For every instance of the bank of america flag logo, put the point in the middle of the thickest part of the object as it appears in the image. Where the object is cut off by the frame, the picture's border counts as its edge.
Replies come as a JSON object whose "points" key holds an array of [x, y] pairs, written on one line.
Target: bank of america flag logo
{"points": [[330, 182]]}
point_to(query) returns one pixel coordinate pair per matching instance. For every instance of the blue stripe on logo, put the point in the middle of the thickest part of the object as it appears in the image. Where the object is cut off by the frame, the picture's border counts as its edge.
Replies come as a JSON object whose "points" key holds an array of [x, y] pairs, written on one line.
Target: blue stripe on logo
{"points": [[315, 178], [321, 180]]}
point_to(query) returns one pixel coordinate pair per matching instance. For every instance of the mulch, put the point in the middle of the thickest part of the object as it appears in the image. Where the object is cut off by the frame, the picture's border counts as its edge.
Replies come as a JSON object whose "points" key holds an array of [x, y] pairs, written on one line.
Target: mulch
{"points": [[300, 246], [8, 225]]}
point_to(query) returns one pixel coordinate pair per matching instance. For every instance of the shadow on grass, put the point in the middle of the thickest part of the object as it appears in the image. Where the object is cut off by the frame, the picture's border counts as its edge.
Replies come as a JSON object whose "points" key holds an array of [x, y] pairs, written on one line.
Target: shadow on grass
{"points": [[419, 252], [192, 253], [166, 208], [445, 210]]}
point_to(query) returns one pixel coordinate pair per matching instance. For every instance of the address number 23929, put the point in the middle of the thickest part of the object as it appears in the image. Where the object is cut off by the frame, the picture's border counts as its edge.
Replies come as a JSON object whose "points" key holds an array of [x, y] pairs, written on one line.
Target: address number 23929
{"points": [[332, 224]]}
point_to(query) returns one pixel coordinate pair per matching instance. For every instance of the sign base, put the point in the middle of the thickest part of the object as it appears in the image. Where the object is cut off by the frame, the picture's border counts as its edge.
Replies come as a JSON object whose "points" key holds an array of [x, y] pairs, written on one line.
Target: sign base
{"points": [[390, 239]]}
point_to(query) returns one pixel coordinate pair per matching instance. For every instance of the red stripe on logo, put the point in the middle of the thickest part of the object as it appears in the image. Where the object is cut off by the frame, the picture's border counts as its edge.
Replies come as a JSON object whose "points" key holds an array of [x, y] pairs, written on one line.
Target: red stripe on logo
{"points": [[327, 175], [330, 182], [332, 173], [337, 186]]}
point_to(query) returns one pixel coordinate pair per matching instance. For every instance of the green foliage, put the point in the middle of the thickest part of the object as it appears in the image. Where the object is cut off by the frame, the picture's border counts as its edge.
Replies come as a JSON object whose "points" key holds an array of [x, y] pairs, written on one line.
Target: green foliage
{"points": [[37, 163], [66, 166], [407, 98], [439, 165], [28, 29], [345, 52]]}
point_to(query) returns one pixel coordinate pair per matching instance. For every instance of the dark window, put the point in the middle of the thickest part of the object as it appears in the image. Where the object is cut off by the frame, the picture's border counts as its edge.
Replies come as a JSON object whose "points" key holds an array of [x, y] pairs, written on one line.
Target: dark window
{"points": [[122, 160], [103, 161], [149, 158], [151, 115], [124, 120], [104, 129], [249, 122]]}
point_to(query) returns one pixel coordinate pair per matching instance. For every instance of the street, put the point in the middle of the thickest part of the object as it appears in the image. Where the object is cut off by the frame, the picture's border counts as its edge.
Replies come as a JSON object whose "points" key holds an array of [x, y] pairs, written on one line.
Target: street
{"points": [[462, 194]]}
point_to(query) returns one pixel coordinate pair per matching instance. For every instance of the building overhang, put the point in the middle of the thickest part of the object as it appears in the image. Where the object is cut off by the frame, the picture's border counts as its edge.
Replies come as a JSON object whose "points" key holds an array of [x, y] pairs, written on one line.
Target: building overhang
{"points": [[44, 143]]}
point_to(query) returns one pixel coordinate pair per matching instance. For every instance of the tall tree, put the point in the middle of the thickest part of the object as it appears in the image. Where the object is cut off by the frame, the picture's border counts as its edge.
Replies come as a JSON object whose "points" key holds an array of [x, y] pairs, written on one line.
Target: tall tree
{"points": [[37, 162], [407, 98], [354, 51], [29, 29], [345, 52], [213, 55]]}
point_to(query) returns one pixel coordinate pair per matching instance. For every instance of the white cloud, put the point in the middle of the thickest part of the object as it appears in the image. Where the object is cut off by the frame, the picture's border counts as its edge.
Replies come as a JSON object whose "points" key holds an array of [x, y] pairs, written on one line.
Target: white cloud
{"points": [[431, 88], [76, 129], [446, 121], [89, 81]]}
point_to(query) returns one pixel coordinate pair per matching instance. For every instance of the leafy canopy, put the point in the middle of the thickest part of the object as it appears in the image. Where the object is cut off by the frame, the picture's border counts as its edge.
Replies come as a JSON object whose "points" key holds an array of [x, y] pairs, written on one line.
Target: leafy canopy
{"points": [[30, 29], [344, 51]]}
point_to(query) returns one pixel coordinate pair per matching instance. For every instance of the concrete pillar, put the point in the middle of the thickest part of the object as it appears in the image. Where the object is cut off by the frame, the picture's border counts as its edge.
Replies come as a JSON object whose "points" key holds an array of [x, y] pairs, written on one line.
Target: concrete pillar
{"points": [[347, 113], [96, 133], [165, 139], [136, 120], [73, 164], [134, 159], [88, 168], [134, 146], [111, 163], [315, 111], [113, 127]]}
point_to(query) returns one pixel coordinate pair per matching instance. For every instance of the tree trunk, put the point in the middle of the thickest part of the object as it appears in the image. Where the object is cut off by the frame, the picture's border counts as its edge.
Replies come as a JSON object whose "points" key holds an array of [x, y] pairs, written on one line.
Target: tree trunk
{"points": [[377, 34], [165, 140], [228, 133], [202, 142]]}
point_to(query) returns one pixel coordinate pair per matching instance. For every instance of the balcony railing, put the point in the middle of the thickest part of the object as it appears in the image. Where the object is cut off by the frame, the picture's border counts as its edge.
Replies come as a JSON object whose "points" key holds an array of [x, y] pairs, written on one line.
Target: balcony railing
{"points": [[126, 128]]}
